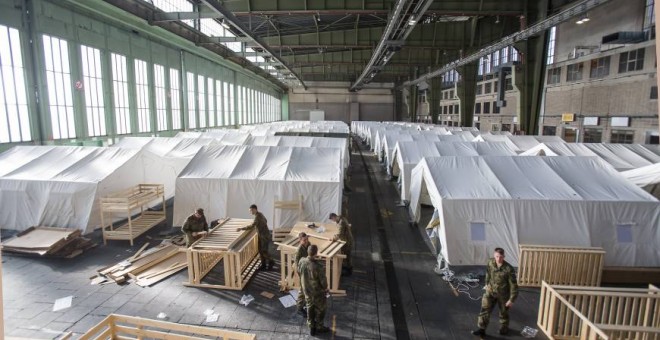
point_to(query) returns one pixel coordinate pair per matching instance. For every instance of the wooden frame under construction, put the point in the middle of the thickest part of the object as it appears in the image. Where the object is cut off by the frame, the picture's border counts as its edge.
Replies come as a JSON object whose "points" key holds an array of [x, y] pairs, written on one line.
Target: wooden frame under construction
{"points": [[591, 313], [238, 249], [329, 251], [571, 266], [281, 232], [116, 326], [127, 201]]}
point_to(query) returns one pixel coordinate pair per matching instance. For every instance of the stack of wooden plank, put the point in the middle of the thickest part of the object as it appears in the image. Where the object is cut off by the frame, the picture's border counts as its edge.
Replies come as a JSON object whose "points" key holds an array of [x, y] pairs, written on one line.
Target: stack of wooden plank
{"points": [[147, 267], [48, 241]]}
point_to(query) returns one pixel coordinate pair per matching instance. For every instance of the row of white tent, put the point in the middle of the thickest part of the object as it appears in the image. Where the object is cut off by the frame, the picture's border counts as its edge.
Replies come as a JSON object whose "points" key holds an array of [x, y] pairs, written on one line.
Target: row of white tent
{"points": [[269, 129], [485, 194], [60, 185]]}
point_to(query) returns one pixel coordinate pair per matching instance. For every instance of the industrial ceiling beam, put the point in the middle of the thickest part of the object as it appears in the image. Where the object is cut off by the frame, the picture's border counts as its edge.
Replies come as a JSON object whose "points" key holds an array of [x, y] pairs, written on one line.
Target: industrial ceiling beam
{"points": [[539, 27], [229, 17], [175, 16], [404, 22], [379, 12]]}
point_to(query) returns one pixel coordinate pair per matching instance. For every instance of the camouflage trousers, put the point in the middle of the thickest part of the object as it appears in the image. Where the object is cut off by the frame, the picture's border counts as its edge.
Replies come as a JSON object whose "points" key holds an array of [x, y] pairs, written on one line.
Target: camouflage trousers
{"points": [[347, 249], [301, 302], [263, 250], [488, 302], [190, 239], [316, 306]]}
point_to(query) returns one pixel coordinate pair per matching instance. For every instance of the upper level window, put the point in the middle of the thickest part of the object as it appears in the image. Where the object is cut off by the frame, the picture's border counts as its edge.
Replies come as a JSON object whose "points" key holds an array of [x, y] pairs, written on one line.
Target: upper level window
{"points": [[574, 72], [631, 61], [600, 67]]}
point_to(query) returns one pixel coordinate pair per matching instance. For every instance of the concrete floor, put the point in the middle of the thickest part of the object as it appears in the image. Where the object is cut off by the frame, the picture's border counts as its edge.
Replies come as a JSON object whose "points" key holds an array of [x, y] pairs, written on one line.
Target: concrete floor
{"points": [[393, 292]]}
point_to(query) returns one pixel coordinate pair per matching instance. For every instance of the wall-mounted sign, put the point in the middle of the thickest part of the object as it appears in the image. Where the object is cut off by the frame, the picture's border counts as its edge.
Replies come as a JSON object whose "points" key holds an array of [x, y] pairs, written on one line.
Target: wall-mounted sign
{"points": [[591, 121], [568, 117], [620, 121], [476, 118]]}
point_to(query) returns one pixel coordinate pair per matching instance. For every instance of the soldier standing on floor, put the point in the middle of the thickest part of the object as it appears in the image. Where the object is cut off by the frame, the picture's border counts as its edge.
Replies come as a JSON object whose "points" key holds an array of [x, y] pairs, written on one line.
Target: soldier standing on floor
{"points": [[300, 254], [261, 224], [346, 235], [195, 226], [315, 287], [501, 288]]}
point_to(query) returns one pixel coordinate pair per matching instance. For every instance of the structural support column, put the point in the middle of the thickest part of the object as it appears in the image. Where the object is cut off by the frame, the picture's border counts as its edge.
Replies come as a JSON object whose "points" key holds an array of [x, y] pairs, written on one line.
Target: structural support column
{"points": [[530, 82], [467, 92], [285, 107], [413, 98], [657, 52], [434, 100]]}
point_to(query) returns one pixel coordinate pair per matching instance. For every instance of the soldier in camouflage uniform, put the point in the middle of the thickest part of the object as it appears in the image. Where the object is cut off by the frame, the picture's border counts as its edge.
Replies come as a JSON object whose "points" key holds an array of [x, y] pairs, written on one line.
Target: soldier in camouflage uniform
{"points": [[261, 224], [300, 254], [501, 288], [346, 235], [315, 287], [195, 226]]}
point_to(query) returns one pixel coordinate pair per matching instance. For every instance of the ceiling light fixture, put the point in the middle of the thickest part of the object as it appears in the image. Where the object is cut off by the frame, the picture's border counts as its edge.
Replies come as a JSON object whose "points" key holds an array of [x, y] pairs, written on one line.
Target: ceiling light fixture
{"points": [[412, 22], [583, 19]]}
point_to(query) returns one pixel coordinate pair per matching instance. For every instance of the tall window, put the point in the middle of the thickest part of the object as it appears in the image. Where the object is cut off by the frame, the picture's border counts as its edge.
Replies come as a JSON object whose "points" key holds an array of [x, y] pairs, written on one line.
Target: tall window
{"points": [[232, 105], [202, 101], [239, 108], [226, 103], [649, 17], [58, 78], [120, 88], [14, 118], [631, 61], [211, 101], [175, 99], [574, 72], [142, 91], [192, 103], [161, 97], [220, 113], [93, 85], [551, 45], [600, 67]]}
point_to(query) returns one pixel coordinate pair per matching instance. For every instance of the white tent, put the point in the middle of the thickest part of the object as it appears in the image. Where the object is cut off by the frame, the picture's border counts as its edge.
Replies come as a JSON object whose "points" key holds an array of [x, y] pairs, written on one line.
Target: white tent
{"points": [[647, 178], [406, 155], [484, 202], [224, 137], [620, 156], [61, 187], [163, 158], [340, 144], [519, 143], [225, 180]]}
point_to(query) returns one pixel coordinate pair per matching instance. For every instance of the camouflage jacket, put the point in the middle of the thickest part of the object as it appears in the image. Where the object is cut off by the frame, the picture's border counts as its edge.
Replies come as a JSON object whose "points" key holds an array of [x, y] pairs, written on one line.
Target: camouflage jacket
{"points": [[261, 223], [345, 232], [502, 280], [300, 254], [312, 277], [194, 224]]}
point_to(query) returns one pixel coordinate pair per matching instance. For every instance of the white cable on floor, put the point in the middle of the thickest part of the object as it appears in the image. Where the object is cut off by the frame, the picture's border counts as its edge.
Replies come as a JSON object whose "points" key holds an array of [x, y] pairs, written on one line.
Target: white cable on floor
{"points": [[461, 284]]}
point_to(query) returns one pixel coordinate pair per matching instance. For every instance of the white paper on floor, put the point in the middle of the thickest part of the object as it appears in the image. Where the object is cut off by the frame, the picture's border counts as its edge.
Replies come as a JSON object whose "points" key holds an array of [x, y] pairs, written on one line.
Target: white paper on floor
{"points": [[208, 312], [62, 303], [287, 301], [294, 293], [212, 317]]}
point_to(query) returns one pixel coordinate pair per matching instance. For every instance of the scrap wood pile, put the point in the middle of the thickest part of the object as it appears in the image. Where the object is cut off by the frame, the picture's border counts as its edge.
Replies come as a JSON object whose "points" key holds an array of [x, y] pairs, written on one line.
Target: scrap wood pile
{"points": [[48, 241], [145, 267]]}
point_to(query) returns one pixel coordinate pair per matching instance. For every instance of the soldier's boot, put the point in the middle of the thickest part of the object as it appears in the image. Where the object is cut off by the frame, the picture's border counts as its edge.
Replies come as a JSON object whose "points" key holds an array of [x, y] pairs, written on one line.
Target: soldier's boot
{"points": [[479, 332], [312, 331], [322, 329], [504, 330], [271, 263]]}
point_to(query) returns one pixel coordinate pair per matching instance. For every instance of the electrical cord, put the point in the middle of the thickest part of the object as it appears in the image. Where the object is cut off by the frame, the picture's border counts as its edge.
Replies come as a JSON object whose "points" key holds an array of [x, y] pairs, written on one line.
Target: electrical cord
{"points": [[462, 284]]}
